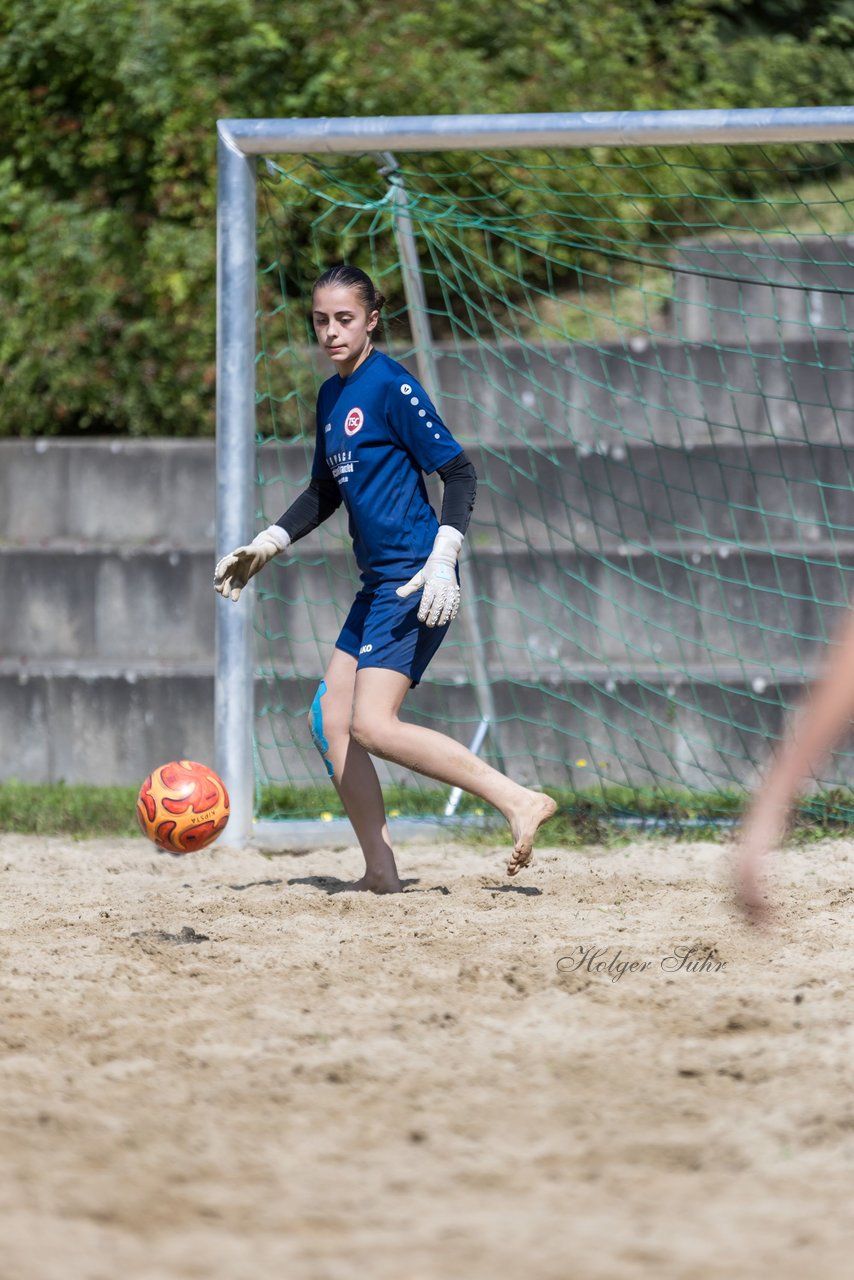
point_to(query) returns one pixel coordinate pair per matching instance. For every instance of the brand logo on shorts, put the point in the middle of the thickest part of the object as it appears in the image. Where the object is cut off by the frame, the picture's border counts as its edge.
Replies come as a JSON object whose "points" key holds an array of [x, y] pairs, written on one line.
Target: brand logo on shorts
{"points": [[366, 648], [354, 422], [328, 427]]}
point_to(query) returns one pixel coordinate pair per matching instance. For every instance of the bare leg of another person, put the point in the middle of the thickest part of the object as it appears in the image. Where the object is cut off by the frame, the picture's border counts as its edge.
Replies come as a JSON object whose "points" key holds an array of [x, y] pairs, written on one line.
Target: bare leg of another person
{"points": [[815, 730]]}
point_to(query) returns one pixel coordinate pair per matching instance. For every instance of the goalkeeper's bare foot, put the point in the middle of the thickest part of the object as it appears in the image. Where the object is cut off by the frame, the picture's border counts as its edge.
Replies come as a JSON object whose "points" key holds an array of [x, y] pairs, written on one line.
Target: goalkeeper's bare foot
{"points": [[525, 821], [375, 884]]}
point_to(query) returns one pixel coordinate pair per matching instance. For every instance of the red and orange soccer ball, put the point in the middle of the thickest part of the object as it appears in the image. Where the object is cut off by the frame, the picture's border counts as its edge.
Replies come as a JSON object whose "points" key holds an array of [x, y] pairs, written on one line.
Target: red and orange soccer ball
{"points": [[182, 806]]}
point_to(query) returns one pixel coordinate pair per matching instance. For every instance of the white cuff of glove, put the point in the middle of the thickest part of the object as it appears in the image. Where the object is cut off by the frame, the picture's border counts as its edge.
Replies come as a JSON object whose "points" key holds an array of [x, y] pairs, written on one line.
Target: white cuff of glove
{"points": [[440, 599], [234, 570], [276, 534]]}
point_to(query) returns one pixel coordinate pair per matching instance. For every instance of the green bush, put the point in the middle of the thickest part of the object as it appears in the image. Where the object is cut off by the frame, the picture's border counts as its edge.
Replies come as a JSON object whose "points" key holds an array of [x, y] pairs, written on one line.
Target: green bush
{"points": [[107, 158]]}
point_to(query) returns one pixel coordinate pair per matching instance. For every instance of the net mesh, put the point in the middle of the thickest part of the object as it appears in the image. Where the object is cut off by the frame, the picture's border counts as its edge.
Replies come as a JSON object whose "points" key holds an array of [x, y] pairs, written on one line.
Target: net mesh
{"points": [[647, 354]]}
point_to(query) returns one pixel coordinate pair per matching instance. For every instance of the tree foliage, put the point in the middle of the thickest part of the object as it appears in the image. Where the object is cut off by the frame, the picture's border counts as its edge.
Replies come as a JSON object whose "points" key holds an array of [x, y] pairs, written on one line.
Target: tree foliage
{"points": [[107, 159]]}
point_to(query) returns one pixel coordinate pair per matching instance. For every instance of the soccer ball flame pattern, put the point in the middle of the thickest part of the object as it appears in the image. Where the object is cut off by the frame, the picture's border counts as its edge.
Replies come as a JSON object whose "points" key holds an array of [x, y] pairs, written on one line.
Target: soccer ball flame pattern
{"points": [[182, 806]]}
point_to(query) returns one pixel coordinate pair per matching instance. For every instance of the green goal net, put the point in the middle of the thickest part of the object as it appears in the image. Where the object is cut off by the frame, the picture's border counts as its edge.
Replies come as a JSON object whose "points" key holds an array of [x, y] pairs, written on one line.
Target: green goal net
{"points": [[647, 353]]}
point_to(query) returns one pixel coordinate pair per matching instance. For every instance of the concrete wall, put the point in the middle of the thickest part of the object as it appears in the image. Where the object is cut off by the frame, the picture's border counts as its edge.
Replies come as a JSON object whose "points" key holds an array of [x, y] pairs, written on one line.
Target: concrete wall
{"points": [[606, 583]]}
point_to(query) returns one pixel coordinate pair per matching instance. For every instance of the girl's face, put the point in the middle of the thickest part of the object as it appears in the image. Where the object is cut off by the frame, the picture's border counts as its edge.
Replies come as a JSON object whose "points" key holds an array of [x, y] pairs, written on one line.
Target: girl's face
{"points": [[343, 326]]}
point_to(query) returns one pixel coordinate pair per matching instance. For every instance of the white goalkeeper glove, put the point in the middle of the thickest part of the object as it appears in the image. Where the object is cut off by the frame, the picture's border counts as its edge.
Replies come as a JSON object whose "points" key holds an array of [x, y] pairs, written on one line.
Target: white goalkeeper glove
{"points": [[441, 596], [234, 570]]}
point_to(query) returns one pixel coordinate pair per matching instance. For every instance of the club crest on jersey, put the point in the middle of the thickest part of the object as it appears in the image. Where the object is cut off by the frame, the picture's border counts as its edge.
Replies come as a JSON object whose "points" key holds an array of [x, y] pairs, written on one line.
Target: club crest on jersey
{"points": [[354, 422]]}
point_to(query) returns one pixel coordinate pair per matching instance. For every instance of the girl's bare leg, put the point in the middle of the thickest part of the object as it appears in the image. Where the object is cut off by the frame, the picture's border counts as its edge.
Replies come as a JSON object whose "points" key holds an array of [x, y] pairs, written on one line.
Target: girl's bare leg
{"points": [[820, 723], [378, 698], [355, 777]]}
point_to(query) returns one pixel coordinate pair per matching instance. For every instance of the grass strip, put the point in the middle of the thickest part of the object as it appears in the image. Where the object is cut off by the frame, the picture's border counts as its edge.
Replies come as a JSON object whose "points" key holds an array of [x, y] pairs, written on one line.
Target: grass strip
{"points": [[583, 817]]}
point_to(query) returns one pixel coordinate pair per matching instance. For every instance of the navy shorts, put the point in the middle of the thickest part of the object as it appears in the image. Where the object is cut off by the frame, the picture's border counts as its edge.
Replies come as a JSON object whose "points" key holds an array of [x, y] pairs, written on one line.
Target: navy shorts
{"points": [[382, 630]]}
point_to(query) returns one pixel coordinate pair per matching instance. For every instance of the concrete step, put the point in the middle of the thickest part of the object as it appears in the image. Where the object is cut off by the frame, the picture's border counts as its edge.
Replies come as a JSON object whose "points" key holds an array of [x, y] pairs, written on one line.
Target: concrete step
{"points": [[541, 614], [661, 390], [106, 603], [640, 729], [131, 491], [749, 492], [741, 289], [675, 606], [101, 725], [677, 603]]}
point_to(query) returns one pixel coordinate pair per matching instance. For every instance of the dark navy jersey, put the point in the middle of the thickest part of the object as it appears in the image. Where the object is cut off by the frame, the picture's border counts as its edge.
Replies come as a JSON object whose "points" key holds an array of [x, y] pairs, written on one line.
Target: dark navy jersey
{"points": [[377, 435]]}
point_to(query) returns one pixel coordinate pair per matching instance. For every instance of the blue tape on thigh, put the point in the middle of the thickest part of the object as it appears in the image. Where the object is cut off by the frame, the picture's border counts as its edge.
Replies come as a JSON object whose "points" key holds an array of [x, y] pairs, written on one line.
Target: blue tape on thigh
{"points": [[317, 727]]}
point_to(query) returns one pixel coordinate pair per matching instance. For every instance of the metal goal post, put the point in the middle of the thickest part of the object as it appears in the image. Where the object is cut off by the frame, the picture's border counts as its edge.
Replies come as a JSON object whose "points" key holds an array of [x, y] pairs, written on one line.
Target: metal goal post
{"points": [[240, 143]]}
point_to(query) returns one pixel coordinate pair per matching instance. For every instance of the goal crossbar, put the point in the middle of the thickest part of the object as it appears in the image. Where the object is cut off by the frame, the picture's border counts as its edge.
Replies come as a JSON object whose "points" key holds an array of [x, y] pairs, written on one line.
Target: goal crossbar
{"points": [[350, 134]]}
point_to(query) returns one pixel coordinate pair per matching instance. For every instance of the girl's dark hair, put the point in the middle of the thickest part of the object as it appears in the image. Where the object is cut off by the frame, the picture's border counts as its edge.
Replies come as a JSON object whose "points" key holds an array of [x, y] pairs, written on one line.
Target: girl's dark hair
{"points": [[358, 280]]}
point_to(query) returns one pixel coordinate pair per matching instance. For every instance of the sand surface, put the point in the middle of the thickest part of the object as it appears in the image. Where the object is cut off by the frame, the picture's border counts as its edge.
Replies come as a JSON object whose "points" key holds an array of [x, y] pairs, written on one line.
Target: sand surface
{"points": [[222, 1067]]}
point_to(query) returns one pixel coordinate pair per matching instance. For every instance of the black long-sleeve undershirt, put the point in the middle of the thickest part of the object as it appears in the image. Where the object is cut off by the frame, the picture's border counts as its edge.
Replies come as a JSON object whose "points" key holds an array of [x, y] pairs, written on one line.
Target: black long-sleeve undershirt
{"points": [[460, 480], [322, 497], [314, 505]]}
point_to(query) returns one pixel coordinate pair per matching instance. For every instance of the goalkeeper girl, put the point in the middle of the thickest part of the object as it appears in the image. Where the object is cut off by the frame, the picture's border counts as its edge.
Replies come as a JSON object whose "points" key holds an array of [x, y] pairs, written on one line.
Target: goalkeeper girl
{"points": [[377, 435]]}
